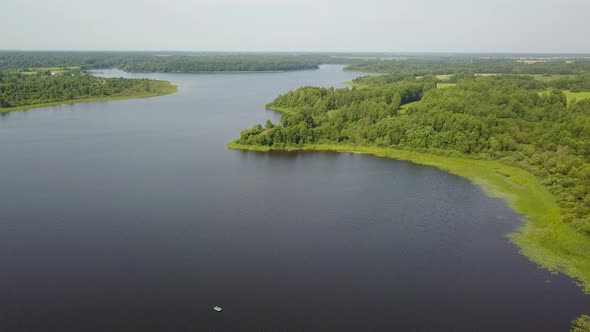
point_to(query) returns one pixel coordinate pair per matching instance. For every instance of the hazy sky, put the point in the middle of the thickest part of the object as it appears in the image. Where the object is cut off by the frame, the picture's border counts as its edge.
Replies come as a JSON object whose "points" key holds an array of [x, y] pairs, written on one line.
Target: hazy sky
{"points": [[298, 25]]}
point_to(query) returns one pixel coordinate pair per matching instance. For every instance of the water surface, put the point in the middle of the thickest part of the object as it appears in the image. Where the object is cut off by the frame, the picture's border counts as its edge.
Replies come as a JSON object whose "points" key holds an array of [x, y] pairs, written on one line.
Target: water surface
{"points": [[133, 216]]}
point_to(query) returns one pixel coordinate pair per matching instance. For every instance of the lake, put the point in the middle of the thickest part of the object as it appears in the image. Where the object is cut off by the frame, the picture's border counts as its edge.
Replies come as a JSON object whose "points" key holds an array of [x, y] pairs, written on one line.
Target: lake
{"points": [[134, 216]]}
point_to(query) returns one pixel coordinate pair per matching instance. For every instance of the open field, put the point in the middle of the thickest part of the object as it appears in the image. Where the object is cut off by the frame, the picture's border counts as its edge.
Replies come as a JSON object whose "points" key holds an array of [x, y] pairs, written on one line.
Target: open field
{"points": [[576, 95], [445, 85], [53, 70], [573, 95]]}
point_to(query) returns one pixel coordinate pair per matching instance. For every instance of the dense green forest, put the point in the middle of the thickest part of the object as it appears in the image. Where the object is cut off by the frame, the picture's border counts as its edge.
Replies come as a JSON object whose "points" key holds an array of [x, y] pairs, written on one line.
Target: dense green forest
{"points": [[235, 63], [173, 62], [19, 90], [416, 65], [441, 66]]}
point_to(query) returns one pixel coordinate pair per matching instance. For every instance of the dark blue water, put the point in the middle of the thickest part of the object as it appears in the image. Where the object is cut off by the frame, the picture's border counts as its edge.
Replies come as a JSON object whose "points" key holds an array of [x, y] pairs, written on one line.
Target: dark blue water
{"points": [[133, 216]]}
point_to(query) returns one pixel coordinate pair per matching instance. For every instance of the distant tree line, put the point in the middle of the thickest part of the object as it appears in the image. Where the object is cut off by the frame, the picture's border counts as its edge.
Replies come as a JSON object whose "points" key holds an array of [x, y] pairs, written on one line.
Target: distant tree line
{"points": [[421, 67], [418, 65], [18, 89], [152, 62], [576, 83], [219, 64]]}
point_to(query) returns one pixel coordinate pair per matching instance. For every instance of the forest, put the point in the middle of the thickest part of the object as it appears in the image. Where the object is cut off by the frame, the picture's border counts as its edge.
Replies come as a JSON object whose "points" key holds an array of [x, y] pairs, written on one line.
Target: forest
{"points": [[453, 65], [192, 62], [232, 63], [173, 62], [18, 90], [573, 83]]}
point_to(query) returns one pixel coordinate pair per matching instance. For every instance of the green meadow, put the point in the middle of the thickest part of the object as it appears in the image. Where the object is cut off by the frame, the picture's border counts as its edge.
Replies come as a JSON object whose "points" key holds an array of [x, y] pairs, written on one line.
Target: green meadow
{"points": [[571, 96], [444, 85]]}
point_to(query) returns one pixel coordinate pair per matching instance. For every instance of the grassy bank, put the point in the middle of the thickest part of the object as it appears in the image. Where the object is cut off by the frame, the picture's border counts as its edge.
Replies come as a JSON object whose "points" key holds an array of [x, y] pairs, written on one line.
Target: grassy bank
{"points": [[158, 89], [278, 108], [543, 237], [355, 85]]}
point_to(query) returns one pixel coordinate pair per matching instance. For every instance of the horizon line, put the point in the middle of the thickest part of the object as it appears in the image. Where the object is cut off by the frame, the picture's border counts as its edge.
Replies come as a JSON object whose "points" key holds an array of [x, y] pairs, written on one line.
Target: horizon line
{"points": [[301, 51]]}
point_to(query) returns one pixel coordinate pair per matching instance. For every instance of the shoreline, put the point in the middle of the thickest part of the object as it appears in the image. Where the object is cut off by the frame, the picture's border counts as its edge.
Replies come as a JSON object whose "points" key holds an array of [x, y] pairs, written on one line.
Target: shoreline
{"points": [[164, 88], [352, 84], [542, 237], [218, 71]]}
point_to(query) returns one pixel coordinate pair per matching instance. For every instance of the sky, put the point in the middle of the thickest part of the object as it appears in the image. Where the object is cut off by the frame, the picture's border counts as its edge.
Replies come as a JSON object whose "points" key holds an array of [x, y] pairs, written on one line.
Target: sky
{"points": [[541, 26]]}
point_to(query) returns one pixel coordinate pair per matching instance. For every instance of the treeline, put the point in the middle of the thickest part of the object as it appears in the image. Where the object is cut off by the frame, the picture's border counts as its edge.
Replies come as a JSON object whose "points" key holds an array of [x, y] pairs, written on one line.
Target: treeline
{"points": [[213, 62], [499, 118], [234, 63], [18, 89], [421, 67], [175, 62], [85, 60], [575, 83]]}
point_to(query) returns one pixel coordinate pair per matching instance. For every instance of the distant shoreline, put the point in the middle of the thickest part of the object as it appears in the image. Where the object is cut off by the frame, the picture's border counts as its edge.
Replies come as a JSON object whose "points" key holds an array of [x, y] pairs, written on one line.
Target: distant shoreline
{"points": [[162, 88], [218, 71]]}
